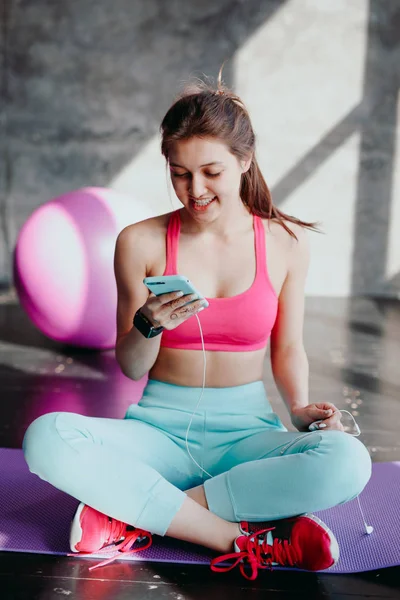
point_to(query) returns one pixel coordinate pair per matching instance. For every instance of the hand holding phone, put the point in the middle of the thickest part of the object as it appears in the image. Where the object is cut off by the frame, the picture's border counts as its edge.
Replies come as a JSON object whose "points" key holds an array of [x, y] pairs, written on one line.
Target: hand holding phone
{"points": [[175, 300]]}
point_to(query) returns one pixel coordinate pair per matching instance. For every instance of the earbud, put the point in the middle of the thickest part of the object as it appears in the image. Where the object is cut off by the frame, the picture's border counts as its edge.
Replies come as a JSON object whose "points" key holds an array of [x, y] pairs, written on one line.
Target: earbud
{"points": [[368, 528]]}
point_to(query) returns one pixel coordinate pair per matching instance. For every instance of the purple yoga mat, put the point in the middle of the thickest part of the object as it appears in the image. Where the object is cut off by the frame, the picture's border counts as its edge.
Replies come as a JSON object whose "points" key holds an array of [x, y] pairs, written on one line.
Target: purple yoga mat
{"points": [[35, 517]]}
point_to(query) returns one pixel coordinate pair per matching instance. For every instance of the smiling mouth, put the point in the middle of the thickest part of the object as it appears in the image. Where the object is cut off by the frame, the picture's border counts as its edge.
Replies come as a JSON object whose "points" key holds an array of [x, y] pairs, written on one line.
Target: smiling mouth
{"points": [[203, 202]]}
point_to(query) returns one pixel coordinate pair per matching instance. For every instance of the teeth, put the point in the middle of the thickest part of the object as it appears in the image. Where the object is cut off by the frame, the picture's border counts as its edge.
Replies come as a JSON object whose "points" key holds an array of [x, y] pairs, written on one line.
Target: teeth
{"points": [[203, 202]]}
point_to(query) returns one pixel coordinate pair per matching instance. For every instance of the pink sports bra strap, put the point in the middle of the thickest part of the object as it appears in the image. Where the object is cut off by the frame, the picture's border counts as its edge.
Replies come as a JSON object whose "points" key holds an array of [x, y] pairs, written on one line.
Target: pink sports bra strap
{"points": [[261, 256], [172, 244]]}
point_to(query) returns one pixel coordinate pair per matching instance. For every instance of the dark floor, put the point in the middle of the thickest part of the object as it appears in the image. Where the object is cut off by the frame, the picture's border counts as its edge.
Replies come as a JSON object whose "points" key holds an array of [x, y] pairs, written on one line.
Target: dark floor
{"points": [[354, 354]]}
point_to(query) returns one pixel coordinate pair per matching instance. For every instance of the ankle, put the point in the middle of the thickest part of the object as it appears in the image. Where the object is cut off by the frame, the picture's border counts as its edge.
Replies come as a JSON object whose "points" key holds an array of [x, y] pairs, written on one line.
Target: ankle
{"points": [[234, 532]]}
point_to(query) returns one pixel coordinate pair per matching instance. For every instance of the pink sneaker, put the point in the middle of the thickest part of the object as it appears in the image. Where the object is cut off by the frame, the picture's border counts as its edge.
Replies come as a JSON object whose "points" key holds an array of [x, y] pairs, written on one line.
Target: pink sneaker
{"points": [[304, 542], [91, 530]]}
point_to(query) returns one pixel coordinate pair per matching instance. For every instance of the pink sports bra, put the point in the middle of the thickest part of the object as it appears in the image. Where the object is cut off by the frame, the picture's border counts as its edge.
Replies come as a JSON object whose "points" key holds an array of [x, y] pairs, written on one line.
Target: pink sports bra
{"points": [[240, 323]]}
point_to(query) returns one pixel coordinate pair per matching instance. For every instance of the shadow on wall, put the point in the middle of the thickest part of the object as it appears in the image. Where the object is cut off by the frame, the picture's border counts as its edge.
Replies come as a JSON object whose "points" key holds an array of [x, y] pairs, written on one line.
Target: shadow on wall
{"points": [[377, 151], [375, 118], [86, 87]]}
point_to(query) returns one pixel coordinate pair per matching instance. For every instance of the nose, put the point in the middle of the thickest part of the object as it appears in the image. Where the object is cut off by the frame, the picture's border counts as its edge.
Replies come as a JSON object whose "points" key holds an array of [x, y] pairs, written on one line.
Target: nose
{"points": [[197, 187]]}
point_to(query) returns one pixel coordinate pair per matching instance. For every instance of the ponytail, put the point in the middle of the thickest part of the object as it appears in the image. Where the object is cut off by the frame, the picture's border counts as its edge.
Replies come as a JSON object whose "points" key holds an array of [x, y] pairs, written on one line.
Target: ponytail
{"points": [[255, 194]]}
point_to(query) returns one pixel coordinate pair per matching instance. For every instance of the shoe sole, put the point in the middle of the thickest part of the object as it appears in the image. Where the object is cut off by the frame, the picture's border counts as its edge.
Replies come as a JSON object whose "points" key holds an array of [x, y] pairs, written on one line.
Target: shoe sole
{"points": [[75, 535], [334, 544]]}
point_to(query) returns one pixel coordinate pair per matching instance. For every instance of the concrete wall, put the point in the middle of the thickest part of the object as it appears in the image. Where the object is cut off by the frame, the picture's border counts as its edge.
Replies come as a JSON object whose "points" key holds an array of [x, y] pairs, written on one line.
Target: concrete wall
{"points": [[87, 82]]}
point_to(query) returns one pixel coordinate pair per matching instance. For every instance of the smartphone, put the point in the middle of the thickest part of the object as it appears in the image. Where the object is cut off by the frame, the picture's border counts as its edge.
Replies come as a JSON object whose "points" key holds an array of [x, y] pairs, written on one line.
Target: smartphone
{"points": [[164, 284]]}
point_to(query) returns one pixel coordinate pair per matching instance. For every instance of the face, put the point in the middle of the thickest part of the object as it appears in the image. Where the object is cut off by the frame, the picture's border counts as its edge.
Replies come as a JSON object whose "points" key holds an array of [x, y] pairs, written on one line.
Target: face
{"points": [[206, 176]]}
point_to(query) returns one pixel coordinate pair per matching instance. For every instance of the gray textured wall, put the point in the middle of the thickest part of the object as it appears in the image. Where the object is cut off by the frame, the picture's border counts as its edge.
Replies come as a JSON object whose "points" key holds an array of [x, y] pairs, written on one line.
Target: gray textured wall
{"points": [[85, 84]]}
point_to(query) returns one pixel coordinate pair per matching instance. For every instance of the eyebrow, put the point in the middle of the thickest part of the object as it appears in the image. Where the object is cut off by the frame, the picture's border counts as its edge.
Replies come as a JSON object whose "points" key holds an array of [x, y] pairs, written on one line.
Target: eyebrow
{"points": [[206, 165]]}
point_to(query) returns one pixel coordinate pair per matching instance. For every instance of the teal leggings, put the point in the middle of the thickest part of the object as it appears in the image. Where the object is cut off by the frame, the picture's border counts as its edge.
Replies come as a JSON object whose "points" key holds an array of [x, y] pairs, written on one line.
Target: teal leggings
{"points": [[137, 468]]}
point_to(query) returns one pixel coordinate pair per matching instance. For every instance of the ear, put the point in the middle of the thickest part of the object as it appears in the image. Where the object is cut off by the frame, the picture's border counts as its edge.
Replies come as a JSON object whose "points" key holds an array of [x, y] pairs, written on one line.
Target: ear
{"points": [[245, 164]]}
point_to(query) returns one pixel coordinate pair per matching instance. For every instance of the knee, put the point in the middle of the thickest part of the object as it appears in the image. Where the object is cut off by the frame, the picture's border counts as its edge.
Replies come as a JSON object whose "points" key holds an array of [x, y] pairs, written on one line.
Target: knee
{"points": [[36, 444], [353, 465]]}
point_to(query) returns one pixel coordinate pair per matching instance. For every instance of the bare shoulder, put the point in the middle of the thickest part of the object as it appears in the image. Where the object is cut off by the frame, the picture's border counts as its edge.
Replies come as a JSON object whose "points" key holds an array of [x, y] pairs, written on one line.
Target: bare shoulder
{"points": [[300, 247], [147, 230], [140, 244], [274, 228], [295, 249]]}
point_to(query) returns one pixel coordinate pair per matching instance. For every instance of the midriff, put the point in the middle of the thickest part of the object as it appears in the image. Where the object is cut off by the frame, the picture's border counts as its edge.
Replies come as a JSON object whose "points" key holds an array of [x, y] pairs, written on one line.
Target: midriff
{"points": [[224, 369]]}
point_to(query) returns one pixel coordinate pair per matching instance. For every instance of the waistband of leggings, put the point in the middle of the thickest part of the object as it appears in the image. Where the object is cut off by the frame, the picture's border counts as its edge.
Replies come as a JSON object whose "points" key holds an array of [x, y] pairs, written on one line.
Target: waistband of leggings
{"points": [[248, 397]]}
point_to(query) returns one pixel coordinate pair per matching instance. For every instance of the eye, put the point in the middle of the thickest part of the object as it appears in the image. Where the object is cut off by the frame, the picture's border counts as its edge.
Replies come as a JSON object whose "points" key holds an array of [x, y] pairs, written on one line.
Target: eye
{"points": [[179, 174], [213, 174]]}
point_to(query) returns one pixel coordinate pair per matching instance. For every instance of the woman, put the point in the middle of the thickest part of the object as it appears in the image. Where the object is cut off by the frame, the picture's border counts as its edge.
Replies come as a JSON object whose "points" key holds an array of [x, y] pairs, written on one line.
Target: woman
{"points": [[252, 496]]}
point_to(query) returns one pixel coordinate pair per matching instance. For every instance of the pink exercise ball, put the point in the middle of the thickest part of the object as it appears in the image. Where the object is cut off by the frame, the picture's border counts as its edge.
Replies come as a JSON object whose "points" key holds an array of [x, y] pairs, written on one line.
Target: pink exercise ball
{"points": [[63, 265]]}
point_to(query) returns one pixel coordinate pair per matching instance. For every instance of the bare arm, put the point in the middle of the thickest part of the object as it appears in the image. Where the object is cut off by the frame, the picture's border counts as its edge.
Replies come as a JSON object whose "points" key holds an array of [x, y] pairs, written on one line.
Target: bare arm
{"points": [[288, 357], [135, 354]]}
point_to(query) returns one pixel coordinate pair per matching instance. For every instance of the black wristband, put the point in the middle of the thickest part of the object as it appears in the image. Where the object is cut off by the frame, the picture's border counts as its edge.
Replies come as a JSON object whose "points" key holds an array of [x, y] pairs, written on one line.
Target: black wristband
{"points": [[145, 326]]}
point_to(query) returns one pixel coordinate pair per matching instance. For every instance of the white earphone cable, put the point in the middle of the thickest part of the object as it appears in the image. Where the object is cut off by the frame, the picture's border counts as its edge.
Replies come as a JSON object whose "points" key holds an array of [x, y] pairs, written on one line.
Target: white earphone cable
{"points": [[201, 395], [368, 528]]}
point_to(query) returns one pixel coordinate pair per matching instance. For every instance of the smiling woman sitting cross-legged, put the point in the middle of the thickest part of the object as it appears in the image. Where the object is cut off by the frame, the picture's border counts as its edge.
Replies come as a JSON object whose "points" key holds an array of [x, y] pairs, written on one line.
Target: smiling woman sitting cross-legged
{"points": [[236, 481]]}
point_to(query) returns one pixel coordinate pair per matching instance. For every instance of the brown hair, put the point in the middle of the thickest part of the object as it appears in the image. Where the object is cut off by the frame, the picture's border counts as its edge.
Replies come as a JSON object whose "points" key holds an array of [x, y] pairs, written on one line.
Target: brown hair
{"points": [[203, 111]]}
